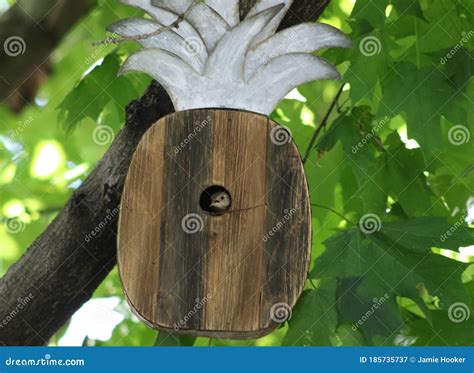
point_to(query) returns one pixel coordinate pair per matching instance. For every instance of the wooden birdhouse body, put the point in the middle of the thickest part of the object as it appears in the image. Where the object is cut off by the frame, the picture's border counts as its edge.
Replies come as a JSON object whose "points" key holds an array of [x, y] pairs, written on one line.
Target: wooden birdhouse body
{"points": [[230, 274]]}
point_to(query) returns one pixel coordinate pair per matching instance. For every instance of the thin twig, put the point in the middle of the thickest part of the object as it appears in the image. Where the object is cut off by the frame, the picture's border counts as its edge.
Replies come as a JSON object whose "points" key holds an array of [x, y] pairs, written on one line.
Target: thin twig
{"points": [[323, 124], [312, 283], [333, 211], [175, 24]]}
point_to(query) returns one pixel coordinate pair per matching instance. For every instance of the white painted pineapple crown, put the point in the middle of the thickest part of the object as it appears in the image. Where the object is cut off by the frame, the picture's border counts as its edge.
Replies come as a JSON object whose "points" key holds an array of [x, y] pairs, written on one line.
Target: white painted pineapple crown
{"points": [[212, 60]]}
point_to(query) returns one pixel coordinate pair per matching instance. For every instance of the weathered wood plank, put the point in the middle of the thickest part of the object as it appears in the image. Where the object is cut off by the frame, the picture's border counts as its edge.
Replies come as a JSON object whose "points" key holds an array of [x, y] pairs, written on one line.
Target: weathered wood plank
{"points": [[233, 264], [222, 276]]}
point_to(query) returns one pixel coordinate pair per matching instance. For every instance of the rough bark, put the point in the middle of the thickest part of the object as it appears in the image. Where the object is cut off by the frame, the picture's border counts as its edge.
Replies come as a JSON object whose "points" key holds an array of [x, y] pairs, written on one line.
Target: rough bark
{"points": [[64, 266], [41, 24]]}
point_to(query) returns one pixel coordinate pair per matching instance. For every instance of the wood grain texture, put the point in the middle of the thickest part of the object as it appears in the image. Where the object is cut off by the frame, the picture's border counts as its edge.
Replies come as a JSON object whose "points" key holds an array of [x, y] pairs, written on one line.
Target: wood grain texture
{"points": [[222, 276]]}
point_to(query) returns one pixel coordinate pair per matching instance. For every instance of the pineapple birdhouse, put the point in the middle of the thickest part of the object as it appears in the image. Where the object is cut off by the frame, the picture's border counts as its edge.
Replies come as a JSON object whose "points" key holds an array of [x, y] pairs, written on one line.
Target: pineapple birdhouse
{"points": [[215, 224]]}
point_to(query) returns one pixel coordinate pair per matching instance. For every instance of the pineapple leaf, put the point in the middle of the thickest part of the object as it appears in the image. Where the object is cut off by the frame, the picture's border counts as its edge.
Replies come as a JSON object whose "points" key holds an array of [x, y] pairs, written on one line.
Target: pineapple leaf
{"points": [[284, 73], [167, 40], [165, 17], [210, 25], [272, 26], [144, 5], [227, 60], [303, 38], [229, 10], [175, 75]]}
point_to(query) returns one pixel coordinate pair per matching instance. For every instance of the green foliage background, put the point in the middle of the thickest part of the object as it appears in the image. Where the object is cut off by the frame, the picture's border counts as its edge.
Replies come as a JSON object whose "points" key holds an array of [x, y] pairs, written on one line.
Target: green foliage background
{"points": [[388, 150]]}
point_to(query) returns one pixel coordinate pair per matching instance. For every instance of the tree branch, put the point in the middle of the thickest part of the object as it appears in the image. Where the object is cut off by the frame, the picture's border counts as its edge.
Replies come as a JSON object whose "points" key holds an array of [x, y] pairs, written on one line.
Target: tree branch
{"points": [[29, 32], [64, 266]]}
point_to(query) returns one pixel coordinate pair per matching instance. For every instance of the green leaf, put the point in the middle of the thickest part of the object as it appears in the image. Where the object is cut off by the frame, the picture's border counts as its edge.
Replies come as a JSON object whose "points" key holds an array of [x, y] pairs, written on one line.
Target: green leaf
{"points": [[314, 318], [446, 24], [370, 60], [371, 11], [407, 184], [369, 308], [91, 96], [349, 337], [442, 331], [399, 260], [423, 95], [358, 133], [168, 339], [411, 7], [418, 235]]}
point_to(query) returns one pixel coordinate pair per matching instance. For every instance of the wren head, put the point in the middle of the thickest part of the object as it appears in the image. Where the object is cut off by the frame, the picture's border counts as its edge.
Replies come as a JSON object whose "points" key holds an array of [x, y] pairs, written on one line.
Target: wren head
{"points": [[220, 201]]}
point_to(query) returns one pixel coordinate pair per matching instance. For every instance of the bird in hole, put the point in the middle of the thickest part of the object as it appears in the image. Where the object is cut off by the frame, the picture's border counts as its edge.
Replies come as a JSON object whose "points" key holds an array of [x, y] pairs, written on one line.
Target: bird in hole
{"points": [[220, 201]]}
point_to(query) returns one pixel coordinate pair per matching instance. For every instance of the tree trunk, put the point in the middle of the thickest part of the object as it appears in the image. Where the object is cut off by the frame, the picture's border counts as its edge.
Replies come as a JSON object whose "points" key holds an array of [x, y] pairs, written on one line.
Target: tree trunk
{"points": [[64, 266]]}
